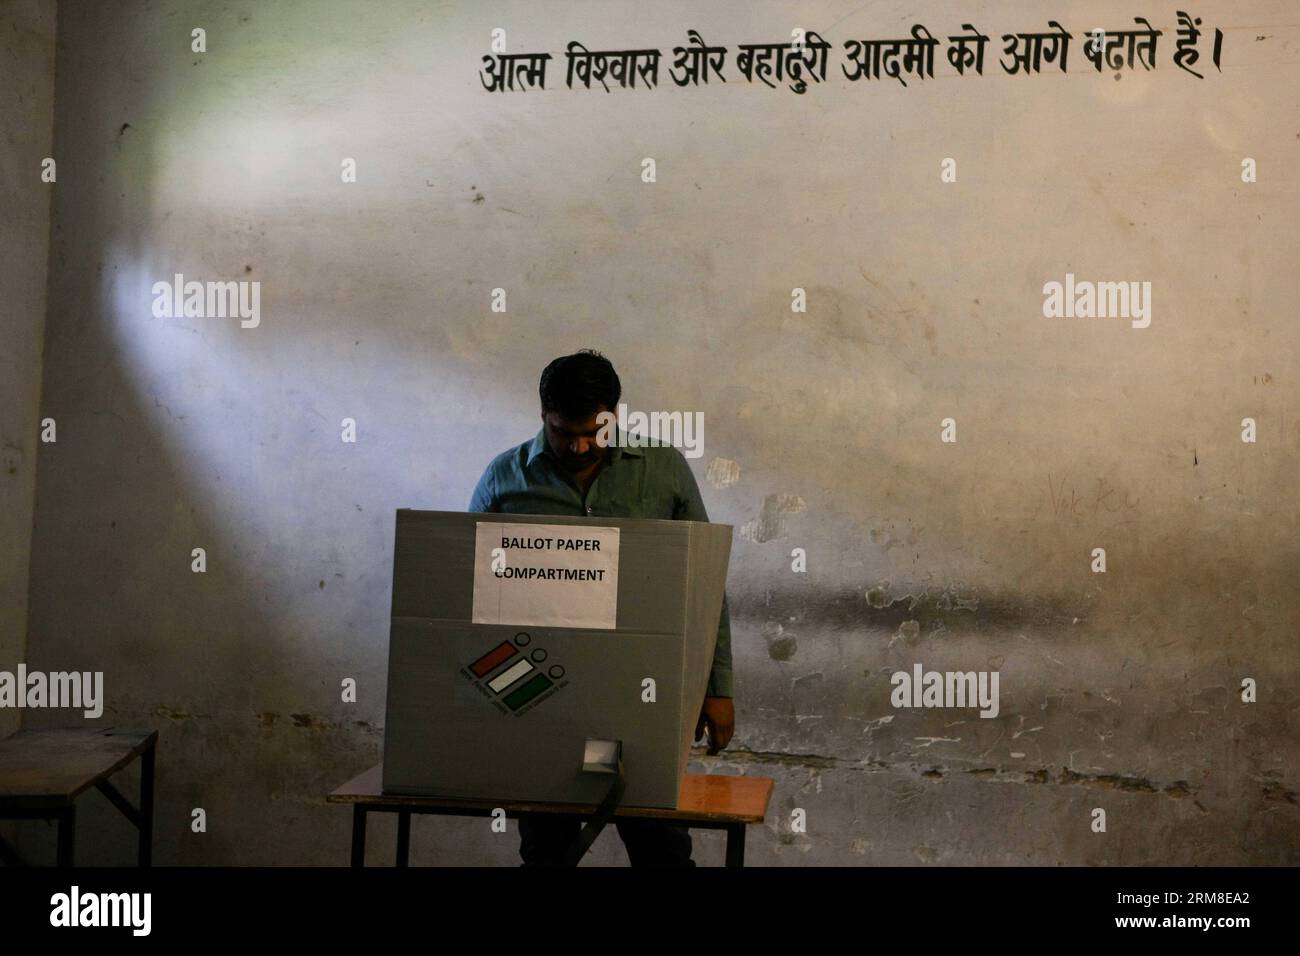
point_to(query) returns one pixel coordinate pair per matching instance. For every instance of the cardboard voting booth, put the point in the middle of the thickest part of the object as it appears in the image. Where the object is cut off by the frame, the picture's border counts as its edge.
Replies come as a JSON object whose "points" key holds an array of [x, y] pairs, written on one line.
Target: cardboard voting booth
{"points": [[521, 646]]}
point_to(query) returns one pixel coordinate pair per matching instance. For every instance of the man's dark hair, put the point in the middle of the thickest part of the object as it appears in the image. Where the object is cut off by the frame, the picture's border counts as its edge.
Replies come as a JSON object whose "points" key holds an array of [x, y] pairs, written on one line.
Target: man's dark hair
{"points": [[573, 385]]}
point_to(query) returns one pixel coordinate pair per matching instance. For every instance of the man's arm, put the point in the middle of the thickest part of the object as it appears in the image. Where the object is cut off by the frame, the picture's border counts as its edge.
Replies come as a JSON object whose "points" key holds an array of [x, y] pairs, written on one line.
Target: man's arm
{"points": [[690, 507], [720, 677]]}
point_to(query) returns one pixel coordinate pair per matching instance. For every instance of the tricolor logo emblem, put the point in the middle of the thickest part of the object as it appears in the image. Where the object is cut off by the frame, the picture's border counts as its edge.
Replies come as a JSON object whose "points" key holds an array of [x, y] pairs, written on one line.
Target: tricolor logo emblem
{"points": [[515, 676]]}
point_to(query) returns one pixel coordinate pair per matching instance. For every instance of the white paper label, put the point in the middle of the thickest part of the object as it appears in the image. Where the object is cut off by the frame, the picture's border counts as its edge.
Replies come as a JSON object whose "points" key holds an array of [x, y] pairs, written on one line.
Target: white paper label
{"points": [[546, 575]]}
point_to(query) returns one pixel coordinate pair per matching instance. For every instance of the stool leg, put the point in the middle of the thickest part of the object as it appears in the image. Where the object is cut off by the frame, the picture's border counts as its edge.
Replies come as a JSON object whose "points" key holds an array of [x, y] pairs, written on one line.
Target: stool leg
{"points": [[736, 845], [358, 835], [146, 808], [67, 829], [403, 838]]}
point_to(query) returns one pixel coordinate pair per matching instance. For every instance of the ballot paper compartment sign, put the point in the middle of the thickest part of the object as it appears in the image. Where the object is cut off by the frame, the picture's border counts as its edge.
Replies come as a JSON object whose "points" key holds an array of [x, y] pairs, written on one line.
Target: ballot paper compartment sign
{"points": [[546, 575]]}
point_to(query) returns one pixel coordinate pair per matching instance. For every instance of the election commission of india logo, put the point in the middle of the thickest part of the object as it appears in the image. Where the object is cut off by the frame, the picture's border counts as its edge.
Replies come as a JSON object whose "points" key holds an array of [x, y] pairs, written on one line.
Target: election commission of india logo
{"points": [[516, 676]]}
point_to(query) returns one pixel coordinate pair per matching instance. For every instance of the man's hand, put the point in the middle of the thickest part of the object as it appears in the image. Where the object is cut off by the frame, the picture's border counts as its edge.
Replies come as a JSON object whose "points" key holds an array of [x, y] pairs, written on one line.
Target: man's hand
{"points": [[719, 716]]}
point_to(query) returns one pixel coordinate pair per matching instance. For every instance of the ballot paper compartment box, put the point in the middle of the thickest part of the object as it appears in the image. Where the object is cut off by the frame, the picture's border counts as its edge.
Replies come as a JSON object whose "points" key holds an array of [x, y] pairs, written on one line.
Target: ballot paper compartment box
{"points": [[498, 675]]}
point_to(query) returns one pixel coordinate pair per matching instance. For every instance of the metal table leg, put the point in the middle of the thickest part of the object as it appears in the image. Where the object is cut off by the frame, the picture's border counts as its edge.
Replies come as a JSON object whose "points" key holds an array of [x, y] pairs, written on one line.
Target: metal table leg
{"points": [[403, 837], [358, 835], [736, 844], [146, 807]]}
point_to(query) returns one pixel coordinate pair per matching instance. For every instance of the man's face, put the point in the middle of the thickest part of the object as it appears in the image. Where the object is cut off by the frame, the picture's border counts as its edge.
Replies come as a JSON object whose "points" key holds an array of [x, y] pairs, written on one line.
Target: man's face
{"points": [[573, 442]]}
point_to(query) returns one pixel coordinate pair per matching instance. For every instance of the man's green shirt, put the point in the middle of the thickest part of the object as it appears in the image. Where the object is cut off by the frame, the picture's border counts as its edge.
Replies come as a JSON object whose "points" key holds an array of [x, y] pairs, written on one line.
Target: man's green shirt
{"points": [[651, 482]]}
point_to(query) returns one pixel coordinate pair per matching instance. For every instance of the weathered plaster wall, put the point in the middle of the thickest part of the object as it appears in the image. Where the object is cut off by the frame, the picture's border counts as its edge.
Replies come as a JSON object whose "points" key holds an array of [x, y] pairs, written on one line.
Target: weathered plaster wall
{"points": [[27, 108], [1118, 691]]}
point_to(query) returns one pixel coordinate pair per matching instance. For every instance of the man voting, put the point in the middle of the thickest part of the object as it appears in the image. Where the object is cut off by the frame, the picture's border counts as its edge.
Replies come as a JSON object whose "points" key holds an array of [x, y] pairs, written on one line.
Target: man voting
{"points": [[566, 469]]}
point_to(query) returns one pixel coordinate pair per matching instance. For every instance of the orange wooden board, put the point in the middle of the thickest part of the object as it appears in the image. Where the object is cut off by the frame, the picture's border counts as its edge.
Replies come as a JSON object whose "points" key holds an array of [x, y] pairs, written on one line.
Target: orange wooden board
{"points": [[726, 799]]}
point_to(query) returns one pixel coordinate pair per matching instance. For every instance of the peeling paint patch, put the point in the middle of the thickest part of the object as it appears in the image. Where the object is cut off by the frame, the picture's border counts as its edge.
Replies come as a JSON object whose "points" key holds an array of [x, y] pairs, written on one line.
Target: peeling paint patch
{"points": [[780, 646], [308, 721], [763, 528], [908, 631], [783, 759], [951, 600], [1109, 781], [1177, 789], [934, 608], [723, 472], [771, 521], [785, 504], [878, 596], [172, 713]]}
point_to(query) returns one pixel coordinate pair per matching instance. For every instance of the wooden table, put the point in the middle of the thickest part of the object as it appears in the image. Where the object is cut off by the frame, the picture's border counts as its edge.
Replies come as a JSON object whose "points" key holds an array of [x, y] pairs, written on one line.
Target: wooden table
{"points": [[708, 801], [42, 772]]}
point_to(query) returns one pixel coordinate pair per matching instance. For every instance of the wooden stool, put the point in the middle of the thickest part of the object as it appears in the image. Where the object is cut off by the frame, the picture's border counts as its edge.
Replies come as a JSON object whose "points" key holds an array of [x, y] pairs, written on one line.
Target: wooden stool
{"points": [[708, 801], [43, 771]]}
